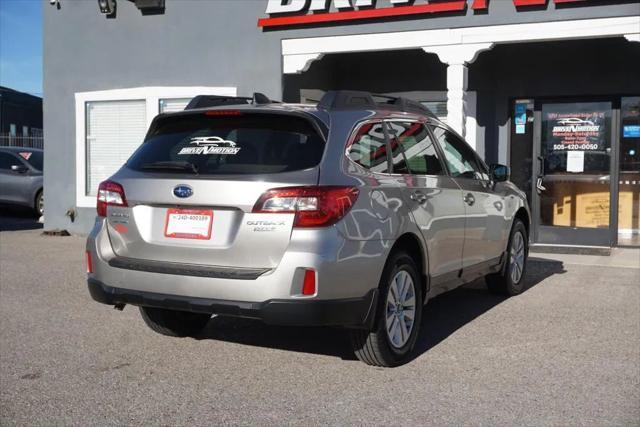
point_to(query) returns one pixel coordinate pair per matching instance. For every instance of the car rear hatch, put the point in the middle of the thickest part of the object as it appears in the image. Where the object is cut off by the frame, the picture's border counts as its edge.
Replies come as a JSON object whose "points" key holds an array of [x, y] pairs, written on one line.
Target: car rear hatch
{"points": [[190, 189]]}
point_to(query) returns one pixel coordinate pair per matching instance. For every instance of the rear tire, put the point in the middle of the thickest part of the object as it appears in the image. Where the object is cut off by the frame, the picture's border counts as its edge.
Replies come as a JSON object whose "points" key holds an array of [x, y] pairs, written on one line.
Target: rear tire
{"points": [[174, 323], [511, 280], [398, 315]]}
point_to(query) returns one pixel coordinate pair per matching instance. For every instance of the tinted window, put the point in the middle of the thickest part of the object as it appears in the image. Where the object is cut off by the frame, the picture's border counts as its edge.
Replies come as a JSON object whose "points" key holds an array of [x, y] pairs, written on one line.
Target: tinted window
{"points": [[35, 158], [369, 148], [7, 160], [239, 144], [413, 150], [460, 158]]}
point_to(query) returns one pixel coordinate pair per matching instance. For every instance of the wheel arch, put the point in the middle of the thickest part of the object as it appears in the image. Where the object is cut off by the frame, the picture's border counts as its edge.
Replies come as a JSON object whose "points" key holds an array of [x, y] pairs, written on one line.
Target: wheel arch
{"points": [[412, 244], [523, 216]]}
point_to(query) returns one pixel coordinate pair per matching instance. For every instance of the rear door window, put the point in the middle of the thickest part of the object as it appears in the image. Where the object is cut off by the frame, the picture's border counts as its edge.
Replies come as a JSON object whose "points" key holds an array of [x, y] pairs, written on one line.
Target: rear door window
{"points": [[412, 149], [221, 144], [460, 158], [369, 148]]}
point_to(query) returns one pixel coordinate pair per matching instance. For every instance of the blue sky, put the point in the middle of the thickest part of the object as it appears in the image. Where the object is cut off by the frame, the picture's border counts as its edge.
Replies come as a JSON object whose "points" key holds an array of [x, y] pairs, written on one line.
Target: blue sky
{"points": [[21, 45]]}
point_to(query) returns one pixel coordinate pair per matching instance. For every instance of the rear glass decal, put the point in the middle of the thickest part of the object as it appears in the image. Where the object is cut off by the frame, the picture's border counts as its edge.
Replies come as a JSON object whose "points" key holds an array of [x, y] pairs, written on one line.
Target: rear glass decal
{"points": [[210, 145], [25, 154]]}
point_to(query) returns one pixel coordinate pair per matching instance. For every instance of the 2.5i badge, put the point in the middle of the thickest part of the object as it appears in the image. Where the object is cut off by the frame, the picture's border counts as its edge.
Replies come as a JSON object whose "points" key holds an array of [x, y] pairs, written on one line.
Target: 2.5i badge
{"points": [[210, 145]]}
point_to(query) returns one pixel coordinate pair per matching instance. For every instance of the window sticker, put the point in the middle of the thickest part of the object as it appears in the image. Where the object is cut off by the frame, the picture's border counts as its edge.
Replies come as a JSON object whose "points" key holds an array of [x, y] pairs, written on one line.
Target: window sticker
{"points": [[25, 154], [210, 145]]}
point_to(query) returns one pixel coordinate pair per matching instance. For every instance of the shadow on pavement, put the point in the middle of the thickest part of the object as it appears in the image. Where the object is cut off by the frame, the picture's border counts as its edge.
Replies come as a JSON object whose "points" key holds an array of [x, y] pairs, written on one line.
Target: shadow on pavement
{"points": [[451, 311], [443, 316], [13, 218]]}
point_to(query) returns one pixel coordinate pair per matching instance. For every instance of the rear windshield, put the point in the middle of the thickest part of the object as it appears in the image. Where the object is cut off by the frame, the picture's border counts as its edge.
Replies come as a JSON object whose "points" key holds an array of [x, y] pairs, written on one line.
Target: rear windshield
{"points": [[221, 145]]}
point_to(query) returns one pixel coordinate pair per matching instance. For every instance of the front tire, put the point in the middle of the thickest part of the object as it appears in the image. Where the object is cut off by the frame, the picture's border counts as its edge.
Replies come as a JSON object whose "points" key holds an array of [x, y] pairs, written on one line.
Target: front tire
{"points": [[38, 205], [511, 280], [398, 315], [174, 323]]}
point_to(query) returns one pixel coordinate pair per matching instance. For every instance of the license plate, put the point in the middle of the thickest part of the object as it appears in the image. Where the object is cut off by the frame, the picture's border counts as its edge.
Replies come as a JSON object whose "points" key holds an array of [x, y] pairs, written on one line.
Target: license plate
{"points": [[188, 224]]}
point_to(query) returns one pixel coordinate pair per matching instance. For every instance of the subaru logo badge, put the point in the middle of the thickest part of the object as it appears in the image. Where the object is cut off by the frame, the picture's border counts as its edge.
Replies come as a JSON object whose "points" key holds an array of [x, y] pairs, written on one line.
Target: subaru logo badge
{"points": [[182, 191]]}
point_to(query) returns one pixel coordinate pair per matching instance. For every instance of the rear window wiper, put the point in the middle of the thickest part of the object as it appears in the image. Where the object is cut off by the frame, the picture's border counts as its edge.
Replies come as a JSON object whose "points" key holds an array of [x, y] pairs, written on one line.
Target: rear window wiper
{"points": [[171, 166]]}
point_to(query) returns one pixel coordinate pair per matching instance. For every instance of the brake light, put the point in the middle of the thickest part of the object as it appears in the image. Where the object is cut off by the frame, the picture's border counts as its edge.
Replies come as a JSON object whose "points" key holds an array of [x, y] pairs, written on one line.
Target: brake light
{"points": [[110, 194], [223, 113], [319, 206]]}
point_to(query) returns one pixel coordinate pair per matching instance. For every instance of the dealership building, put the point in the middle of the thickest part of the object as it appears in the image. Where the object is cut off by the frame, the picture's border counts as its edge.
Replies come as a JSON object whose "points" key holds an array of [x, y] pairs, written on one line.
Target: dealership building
{"points": [[549, 87]]}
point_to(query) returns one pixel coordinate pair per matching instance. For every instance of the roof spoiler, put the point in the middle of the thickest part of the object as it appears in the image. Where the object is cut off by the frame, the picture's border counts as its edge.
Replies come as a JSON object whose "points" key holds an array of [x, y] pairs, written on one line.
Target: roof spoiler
{"points": [[352, 99], [208, 101]]}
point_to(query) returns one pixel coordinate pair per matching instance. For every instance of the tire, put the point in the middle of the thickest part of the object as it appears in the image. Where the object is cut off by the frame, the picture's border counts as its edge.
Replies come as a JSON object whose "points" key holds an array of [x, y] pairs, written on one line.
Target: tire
{"points": [[386, 345], [510, 281], [38, 203], [174, 323]]}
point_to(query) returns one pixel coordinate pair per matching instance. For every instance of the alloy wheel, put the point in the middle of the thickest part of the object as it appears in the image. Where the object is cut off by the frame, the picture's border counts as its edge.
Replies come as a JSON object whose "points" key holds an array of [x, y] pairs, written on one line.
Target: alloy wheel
{"points": [[516, 257], [400, 309], [40, 203]]}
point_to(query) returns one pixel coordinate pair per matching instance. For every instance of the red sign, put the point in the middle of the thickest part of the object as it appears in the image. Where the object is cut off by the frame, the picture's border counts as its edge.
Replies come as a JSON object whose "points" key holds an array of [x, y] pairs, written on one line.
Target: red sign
{"points": [[303, 12]]}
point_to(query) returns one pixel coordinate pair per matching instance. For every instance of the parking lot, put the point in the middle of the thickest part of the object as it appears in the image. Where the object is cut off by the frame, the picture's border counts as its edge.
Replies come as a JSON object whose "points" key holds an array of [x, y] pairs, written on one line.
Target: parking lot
{"points": [[566, 352]]}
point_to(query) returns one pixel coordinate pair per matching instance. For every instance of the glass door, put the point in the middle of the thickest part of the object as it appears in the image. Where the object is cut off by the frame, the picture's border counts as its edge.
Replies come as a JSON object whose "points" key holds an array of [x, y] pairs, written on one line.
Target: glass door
{"points": [[572, 173], [629, 180]]}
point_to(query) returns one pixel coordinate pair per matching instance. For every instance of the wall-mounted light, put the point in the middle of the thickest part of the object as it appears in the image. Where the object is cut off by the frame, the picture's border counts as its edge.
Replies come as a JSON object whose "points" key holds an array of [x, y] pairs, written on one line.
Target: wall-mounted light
{"points": [[108, 7]]}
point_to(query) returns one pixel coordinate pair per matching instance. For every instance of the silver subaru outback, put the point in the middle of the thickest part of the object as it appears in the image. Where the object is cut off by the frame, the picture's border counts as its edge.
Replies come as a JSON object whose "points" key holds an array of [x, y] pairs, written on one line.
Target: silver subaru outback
{"points": [[353, 212]]}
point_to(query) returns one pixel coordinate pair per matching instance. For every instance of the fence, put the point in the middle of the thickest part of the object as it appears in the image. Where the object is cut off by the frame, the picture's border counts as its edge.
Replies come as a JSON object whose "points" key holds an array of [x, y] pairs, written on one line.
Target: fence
{"points": [[22, 141]]}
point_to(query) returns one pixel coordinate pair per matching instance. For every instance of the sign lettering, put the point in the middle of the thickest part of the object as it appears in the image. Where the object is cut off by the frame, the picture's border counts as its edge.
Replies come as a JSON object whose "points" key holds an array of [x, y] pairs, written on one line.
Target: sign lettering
{"points": [[304, 12]]}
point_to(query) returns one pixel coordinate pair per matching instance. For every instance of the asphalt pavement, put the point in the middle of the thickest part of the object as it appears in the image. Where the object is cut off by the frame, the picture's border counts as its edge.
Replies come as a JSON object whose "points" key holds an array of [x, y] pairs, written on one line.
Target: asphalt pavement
{"points": [[566, 352]]}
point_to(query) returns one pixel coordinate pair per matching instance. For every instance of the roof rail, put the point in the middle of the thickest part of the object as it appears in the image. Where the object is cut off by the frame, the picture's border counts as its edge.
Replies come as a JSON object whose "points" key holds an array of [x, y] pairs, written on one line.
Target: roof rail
{"points": [[207, 101], [351, 99]]}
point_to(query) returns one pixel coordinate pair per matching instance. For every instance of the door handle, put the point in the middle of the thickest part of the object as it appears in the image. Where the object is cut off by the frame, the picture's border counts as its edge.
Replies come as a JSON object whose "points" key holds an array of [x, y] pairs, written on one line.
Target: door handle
{"points": [[419, 197], [469, 199], [539, 187]]}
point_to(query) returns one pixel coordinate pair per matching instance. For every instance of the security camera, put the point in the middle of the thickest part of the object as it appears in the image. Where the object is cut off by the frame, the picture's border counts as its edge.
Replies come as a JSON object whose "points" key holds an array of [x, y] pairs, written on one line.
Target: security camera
{"points": [[53, 2], [108, 7]]}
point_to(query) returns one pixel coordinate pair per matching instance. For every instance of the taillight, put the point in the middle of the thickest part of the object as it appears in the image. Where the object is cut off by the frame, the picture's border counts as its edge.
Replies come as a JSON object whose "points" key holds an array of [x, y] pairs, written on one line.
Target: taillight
{"points": [[110, 194], [314, 206]]}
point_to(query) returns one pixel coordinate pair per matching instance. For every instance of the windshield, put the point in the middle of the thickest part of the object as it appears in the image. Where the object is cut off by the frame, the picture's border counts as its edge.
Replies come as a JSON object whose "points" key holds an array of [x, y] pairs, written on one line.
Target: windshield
{"points": [[234, 144]]}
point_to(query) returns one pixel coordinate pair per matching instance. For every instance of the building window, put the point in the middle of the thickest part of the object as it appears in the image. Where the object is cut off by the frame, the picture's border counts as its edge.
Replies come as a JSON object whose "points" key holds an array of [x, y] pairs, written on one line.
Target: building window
{"points": [[12, 129], [171, 105], [111, 124], [114, 129], [25, 130]]}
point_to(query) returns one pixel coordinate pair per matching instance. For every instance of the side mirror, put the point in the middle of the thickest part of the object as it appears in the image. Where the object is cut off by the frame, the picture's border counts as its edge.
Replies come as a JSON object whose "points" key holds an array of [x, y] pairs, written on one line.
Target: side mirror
{"points": [[500, 173], [19, 168]]}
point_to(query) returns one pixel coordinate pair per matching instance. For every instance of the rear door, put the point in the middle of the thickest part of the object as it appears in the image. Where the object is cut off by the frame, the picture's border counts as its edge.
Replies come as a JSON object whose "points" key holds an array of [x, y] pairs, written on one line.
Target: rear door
{"points": [[485, 217], [434, 199], [191, 187]]}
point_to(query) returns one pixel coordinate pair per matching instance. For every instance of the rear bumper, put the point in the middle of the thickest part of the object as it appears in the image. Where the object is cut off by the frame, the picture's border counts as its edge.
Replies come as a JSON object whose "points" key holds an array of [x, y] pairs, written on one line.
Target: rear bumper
{"points": [[348, 312]]}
